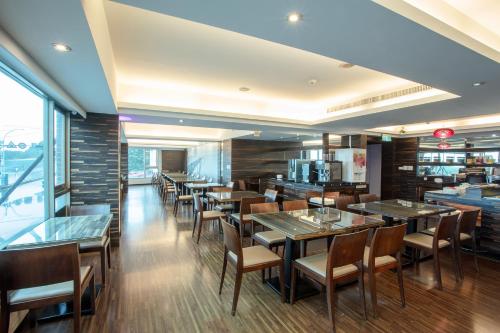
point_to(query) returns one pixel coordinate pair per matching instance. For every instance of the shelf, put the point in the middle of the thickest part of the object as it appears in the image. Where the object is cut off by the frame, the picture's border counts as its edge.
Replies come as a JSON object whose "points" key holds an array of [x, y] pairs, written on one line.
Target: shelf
{"points": [[494, 165], [458, 150]]}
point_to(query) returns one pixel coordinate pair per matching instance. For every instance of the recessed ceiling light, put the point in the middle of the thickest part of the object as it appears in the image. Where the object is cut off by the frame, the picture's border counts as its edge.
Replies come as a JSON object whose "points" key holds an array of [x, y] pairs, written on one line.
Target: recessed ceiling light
{"points": [[477, 84], [244, 89], [346, 65], [312, 82], [181, 121], [494, 135], [294, 17], [61, 47]]}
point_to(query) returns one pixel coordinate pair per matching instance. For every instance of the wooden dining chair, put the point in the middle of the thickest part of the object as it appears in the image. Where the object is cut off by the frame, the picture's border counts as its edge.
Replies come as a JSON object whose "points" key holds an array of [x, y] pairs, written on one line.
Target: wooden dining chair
{"points": [[342, 202], [384, 254], [248, 259], [270, 195], [242, 218], [295, 205], [227, 207], [242, 186], [444, 237], [201, 216], [180, 199], [363, 198], [38, 277], [467, 234], [343, 262], [102, 246]]}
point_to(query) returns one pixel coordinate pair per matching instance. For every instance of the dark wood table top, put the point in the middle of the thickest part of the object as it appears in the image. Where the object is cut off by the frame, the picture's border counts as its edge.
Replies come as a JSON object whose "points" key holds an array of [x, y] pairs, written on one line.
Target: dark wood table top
{"points": [[402, 209], [234, 196], [317, 222]]}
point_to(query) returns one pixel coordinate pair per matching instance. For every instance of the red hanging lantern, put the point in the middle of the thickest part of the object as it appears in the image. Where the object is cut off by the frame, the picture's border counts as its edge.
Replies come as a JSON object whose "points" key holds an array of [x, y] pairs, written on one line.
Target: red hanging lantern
{"points": [[444, 145], [444, 133]]}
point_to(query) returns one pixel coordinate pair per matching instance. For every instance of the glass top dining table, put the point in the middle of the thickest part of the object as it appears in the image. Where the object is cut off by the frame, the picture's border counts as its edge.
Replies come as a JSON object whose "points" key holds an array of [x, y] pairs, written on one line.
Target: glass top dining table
{"points": [[59, 230], [402, 209], [315, 223], [233, 196]]}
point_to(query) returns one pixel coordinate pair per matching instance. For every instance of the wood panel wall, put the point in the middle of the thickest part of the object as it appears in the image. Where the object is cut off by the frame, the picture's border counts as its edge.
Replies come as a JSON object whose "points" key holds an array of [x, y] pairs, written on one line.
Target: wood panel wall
{"points": [[260, 158], [173, 160], [95, 164], [124, 165]]}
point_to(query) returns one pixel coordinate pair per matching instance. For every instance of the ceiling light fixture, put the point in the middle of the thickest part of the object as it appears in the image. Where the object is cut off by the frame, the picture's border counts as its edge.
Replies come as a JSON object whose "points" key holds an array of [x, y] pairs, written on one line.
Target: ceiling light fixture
{"points": [[60, 47], [477, 84], [443, 133], [494, 135], [443, 145], [257, 134], [181, 121], [312, 82], [346, 65], [294, 17], [244, 89]]}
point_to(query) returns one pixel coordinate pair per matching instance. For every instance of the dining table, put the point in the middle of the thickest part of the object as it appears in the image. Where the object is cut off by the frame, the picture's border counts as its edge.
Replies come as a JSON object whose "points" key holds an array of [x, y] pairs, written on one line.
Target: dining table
{"points": [[308, 224], [62, 230], [180, 180], [203, 187], [232, 196]]}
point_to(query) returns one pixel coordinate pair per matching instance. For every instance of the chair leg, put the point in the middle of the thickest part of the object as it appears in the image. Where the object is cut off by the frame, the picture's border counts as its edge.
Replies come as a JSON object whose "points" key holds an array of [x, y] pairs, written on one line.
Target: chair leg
{"points": [[400, 281], [108, 251], [103, 265], [474, 251], [373, 291], [237, 286], [437, 270], [361, 287], [282, 281], [92, 294], [176, 203], [263, 275], [77, 313], [200, 224], [224, 265], [194, 223], [4, 320], [456, 264], [330, 291], [293, 283]]}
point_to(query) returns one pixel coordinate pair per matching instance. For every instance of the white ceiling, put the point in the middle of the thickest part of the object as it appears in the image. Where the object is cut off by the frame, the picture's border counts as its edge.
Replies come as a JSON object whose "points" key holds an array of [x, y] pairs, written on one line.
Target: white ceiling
{"points": [[164, 49]]}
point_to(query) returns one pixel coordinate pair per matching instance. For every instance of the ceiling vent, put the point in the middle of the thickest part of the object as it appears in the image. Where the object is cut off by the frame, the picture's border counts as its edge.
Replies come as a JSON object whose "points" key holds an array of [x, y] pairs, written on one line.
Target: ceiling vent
{"points": [[379, 98]]}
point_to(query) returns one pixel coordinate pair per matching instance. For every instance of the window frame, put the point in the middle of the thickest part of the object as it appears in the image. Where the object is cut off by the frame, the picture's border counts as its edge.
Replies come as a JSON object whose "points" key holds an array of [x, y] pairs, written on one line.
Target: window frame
{"points": [[65, 187]]}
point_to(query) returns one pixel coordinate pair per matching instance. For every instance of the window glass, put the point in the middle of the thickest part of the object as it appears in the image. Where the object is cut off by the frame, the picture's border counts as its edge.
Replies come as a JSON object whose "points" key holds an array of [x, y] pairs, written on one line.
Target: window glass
{"points": [[142, 162], [59, 148], [21, 152]]}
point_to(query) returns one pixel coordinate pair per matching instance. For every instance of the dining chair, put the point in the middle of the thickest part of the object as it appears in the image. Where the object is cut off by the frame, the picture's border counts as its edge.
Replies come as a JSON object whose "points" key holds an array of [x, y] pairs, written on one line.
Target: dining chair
{"points": [[230, 185], [201, 216], [242, 186], [228, 207], [444, 237], [102, 246], [295, 205], [242, 217], [343, 262], [384, 254], [342, 202], [180, 199], [38, 277], [270, 195], [363, 198], [248, 259]]}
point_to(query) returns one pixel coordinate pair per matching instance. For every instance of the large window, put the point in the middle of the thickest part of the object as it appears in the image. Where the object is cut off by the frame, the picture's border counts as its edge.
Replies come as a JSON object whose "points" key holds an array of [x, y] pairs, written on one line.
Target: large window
{"points": [[142, 162], [22, 194], [59, 150]]}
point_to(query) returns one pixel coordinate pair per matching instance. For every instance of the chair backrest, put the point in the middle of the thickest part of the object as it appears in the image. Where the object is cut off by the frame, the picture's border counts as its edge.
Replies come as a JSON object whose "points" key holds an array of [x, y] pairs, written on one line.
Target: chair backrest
{"points": [[346, 249], [295, 205], [446, 228], [242, 185], [197, 206], [387, 241], [467, 221], [246, 202], [268, 207], [100, 209], [221, 189], [270, 195], [230, 185], [331, 195], [368, 198], [232, 241], [342, 202], [27, 268]]}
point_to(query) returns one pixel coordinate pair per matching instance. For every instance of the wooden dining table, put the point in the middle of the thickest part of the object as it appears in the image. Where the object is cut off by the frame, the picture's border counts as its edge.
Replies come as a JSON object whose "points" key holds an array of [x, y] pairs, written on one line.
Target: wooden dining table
{"points": [[61, 230], [233, 196], [308, 224]]}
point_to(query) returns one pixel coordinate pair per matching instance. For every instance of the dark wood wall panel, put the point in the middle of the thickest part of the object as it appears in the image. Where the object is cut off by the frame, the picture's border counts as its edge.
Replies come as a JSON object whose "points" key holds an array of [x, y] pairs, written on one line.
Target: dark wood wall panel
{"points": [[260, 158], [386, 183], [95, 164], [173, 160], [124, 165]]}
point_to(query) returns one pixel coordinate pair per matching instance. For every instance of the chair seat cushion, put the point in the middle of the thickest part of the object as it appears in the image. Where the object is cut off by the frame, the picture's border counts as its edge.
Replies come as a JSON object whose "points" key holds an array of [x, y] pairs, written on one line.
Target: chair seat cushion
{"points": [[317, 264], [48, 291], [256, 255], [269, 237], [212, 214], [224, 208], [185, 197], [236, 217], [379, 261], [423, 240], [464, 237], [97, 243], [322, 201]]}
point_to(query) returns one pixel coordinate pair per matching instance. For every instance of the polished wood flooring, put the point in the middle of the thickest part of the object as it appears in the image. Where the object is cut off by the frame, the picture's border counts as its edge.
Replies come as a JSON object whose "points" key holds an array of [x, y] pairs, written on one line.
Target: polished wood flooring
{"points": [[161, 281]]}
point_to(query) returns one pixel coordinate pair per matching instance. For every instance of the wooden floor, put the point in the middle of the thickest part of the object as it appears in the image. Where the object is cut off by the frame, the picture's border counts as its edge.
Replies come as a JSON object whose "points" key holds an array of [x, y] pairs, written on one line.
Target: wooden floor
{"points": [[161, 281]]}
